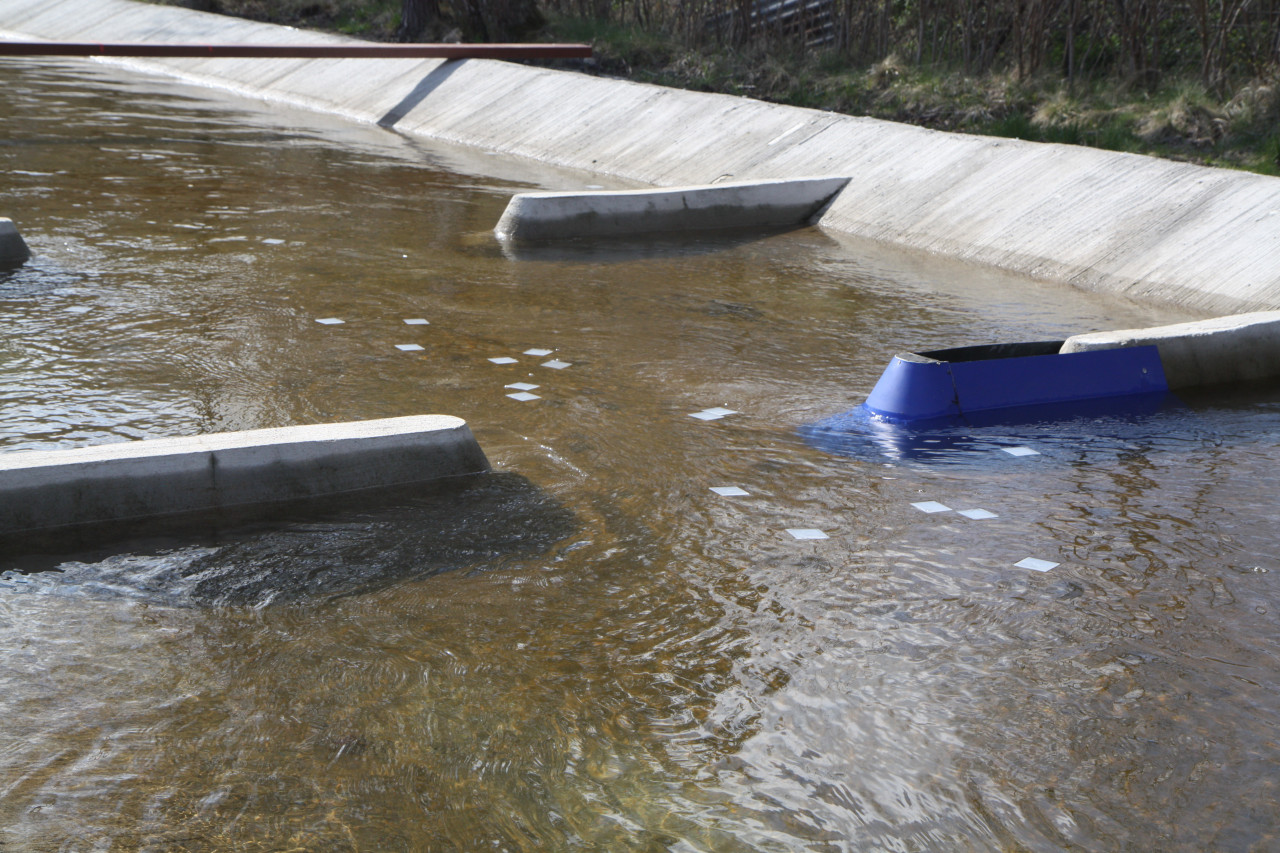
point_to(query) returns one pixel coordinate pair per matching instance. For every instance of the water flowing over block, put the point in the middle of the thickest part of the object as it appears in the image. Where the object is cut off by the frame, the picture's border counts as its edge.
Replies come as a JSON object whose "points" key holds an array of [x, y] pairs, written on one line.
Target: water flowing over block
{"points": [[13, 249], [138, 479], [743, 204]]}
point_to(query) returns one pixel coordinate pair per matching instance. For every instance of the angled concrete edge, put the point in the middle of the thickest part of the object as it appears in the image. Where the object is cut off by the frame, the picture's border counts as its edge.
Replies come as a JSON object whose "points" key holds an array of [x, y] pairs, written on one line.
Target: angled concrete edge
{"points": [[13, 249], [1238, 348], [742, 204], [137, 479]]}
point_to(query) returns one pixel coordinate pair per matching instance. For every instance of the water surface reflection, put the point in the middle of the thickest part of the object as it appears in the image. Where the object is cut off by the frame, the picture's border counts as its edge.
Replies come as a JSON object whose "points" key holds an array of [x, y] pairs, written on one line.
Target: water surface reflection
{"points": [[597, 652]]}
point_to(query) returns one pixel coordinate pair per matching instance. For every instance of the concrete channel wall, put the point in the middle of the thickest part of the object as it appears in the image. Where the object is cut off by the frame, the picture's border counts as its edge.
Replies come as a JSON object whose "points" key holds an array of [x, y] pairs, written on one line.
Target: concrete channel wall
{"points": [[1220, 351], [43, 489], [757, 204], [1205, 239]]}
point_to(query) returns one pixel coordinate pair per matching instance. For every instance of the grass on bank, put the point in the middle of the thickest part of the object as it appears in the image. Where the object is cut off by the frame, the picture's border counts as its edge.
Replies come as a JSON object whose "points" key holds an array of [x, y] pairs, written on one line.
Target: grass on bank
{"points": [[1179, 119]]}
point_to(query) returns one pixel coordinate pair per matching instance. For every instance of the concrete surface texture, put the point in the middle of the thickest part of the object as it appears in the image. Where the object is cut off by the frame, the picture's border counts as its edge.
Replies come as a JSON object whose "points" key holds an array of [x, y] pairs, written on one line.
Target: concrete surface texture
{"points": [[753, 204], [13, 249], [1239, 348], [138, 479], [1205, 239]]}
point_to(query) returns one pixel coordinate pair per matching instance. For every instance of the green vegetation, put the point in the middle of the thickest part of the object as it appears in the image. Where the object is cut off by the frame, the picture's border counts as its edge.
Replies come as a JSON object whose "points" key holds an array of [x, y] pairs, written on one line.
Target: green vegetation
{"points": [[1194, 80]]}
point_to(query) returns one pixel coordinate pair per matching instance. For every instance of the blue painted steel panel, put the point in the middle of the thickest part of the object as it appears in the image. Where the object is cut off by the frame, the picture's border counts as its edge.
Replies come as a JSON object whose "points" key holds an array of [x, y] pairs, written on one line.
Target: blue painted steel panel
{"points": [[971, 380], [911, 388]]}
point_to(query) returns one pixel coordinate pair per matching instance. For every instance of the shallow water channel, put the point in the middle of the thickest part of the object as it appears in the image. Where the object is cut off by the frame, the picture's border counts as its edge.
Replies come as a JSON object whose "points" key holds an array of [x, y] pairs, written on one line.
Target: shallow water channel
{"points": [[589, 648]]}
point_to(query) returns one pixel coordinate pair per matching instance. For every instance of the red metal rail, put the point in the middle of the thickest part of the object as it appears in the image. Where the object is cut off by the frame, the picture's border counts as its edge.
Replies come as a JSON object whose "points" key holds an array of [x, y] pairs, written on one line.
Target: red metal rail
{"points": [[302, 51]]}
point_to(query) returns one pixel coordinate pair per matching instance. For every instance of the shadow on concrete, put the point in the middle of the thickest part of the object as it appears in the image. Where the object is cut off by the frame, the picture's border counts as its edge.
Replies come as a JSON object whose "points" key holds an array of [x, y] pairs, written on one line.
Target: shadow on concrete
{"points": [[332, 547], [434, 79]]}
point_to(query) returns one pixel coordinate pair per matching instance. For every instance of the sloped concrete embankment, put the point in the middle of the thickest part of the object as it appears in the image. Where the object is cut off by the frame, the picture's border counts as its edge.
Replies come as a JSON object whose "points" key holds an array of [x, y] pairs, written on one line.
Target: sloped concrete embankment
{"points": [[1205, 239]]}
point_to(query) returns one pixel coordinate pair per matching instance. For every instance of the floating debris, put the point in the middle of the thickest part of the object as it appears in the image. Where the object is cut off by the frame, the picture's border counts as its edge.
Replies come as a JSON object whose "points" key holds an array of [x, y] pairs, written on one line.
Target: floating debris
{"points": [[503, 360], [522, 386], [524, 396], [931, 506], [538, 352], [272, 241], [408, 347], [1020, 451], [556, 364], [1036, 565], [416, 321], [330, 321], [730, 491], [806, 533], [712, 414], [977, 514]]}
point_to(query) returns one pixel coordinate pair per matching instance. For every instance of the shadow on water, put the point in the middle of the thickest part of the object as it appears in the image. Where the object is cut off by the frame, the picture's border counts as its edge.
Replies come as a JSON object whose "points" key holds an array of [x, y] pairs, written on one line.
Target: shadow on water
{"points": [[330, 548]]}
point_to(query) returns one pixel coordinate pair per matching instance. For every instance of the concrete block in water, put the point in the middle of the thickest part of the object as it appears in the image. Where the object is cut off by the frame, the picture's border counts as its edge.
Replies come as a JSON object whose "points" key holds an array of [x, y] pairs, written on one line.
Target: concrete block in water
{"points": [[1237, 348], [13, 249], [137, 479], [751, 204]]}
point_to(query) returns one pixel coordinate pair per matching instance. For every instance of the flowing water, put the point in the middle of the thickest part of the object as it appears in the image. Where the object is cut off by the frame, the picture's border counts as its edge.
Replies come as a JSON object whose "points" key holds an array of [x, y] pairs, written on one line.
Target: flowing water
{"points": [[590, 649]]}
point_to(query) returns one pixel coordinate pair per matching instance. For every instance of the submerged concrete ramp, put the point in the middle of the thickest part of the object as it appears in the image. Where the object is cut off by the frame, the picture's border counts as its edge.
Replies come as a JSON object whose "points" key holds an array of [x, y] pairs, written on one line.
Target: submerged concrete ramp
{"points": [[139, 479], [1206, 239], [752, 204], [1224, 350]]}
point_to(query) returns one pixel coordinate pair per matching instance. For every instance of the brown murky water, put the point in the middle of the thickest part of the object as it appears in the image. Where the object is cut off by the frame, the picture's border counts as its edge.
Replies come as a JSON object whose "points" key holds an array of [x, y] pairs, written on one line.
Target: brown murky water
{"points": [[590, 649]]}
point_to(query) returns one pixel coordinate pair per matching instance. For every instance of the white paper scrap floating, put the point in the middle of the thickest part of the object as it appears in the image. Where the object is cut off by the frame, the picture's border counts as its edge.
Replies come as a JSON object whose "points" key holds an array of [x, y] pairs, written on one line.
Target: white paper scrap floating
{"points": [[416, 321], [503, 360], [1036, 565], [978, 514], [522, 386], [730, 491], [524, 396], [272, 241], [408, 347], [330, 321], [931, 506], [1020, 451], [555, 364], [713, 414], [538, 352], [806, 533]]}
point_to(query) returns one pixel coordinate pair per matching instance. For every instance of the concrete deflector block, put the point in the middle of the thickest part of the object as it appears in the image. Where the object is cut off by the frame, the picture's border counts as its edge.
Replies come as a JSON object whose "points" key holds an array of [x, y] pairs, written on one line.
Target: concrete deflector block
{"points": [[1237, 348], [137, 479], [13, 249], [749, 204]]}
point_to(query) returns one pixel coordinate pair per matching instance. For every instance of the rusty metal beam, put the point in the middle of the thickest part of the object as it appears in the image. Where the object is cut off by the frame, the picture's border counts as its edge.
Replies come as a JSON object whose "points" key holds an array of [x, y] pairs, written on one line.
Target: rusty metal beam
{"points": [[302, 51]]}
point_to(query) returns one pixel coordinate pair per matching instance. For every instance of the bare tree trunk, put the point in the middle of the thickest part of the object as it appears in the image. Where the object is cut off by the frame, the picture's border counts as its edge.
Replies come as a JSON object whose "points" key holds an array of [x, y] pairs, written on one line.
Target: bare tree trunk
{"points": [[416, 16]]}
